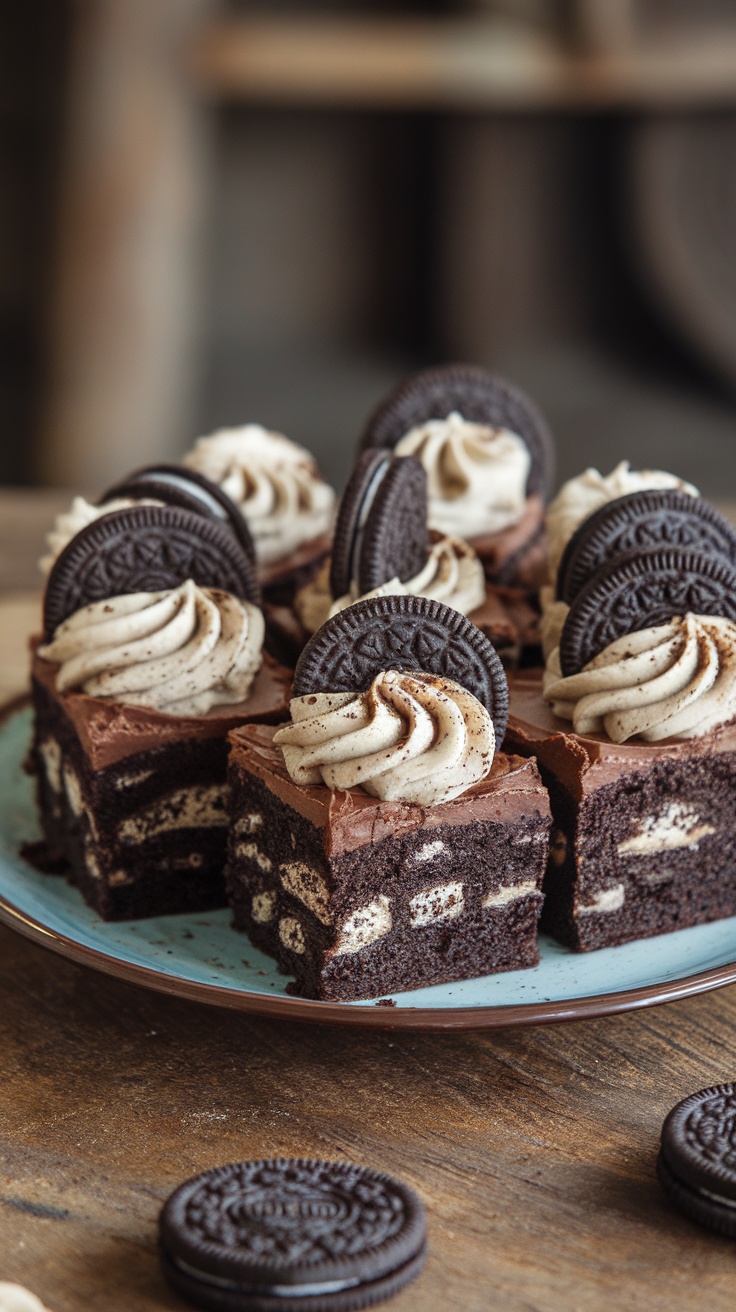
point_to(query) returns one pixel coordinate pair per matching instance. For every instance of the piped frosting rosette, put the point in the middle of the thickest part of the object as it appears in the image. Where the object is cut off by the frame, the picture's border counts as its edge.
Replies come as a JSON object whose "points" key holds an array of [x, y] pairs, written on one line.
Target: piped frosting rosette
{"points": [[476, 475], [648, 649], [182, 650], [274, 482], [376, 705], [676, 680], [452, 574], [409, 737], [192, 642]]}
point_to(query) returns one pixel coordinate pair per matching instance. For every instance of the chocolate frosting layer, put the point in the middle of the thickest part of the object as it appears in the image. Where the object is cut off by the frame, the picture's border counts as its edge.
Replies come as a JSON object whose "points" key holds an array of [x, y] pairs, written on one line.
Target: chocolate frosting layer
{"points": [[511, 791], [110, 731], [585, 762], [525, 540]]}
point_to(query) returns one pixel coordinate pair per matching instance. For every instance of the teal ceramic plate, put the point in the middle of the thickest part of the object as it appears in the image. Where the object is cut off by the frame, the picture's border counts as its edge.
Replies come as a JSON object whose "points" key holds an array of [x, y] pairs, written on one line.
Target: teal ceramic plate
{"points": [[202, 958]]}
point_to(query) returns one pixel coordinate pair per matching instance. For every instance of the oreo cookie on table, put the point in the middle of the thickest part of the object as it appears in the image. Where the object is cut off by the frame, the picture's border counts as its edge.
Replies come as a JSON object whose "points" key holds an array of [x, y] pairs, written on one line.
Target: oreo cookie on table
{"points": [[697, 1159], [403, 633], [146, 549], [477, 395], [639, 522], [286, 1234], [176, 485], [381, 530], [640, 591]]}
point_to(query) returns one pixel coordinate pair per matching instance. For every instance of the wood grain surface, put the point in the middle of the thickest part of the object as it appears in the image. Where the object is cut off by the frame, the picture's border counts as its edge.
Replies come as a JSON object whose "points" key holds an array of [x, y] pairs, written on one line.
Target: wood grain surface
{"points": [[534, 1150]]}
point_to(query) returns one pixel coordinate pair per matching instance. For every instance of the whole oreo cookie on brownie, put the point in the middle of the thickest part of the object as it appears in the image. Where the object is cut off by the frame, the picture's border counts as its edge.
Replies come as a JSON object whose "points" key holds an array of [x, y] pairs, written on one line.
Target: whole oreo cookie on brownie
{"points": [[291, 1235], [153, 486], [381, 529], [634, 522], [384, 546], [641, 521], [175, 485], [383, 841], [152, 652], [489, 458], [697, 1159]]}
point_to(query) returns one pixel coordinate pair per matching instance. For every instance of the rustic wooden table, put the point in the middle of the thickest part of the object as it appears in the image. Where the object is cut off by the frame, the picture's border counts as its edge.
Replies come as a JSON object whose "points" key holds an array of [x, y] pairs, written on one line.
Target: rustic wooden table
{"points": [[534, 1150]]}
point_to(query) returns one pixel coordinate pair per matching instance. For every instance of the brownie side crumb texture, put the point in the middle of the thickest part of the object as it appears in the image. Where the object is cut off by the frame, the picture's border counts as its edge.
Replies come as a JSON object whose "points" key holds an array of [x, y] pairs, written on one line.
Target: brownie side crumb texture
{"points": [[651, 853], [144, 836], [427, 906]]}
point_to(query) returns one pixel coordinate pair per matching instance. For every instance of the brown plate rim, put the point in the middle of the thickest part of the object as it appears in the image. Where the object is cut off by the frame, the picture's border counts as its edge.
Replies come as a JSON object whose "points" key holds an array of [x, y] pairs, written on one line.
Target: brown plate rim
{"points": [[374, 1016]]}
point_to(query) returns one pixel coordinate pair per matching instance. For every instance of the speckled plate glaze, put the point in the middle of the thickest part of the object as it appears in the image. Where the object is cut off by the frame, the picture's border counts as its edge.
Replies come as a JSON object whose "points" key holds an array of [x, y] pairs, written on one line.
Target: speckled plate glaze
{"points": [[202, 958]]}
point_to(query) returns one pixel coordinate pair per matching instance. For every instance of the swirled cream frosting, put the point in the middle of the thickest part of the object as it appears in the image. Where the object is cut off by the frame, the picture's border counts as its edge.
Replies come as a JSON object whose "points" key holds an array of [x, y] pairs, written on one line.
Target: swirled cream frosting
{"points": [[582, 496], [476, 475], [677, 680], [78, 516], [273, 481], [452, 574], [181, 651], [412, 738]]}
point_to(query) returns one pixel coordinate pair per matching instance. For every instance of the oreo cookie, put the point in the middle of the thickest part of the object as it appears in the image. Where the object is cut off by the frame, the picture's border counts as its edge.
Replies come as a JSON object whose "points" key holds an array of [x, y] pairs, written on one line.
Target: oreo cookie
{"points": [[639, 522], [479, 397], [639, 591], [381, 529], [697, 1158], [292, 1235], [403, 633], [176, 485], [146, 549]]}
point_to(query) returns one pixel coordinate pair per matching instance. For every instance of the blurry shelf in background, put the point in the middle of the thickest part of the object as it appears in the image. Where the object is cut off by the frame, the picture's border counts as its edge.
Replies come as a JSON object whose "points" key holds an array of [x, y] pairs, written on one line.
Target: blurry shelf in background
{"points": [[461, 65], [337, 203]]}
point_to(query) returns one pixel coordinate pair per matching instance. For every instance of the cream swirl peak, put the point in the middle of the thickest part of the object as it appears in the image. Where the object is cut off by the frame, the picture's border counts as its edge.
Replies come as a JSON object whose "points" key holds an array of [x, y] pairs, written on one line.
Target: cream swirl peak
{"points": [[580, 497], [412, 738], [476, 475], [452, 574], [181, 651], [677, 680], [274, 482], [81, 513]]}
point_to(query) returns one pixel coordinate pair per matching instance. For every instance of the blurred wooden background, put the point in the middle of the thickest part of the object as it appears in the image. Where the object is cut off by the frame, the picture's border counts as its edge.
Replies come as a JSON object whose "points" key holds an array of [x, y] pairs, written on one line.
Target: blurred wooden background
{"points": [[245, 211]]}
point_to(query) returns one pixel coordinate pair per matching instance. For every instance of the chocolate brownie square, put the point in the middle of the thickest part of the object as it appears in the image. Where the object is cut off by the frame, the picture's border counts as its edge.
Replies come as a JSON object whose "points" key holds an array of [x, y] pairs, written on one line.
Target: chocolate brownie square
{"points": [[134, 799], [644, 833], [358, 897]]}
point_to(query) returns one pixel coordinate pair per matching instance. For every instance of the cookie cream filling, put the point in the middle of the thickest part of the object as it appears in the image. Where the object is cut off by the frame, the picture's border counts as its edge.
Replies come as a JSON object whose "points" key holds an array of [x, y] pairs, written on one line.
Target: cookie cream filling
{"points": [[677, 680], [78, 516], [476, 475], [452, 574], [412, 738], [182, 651], [274, 482], [271, 1291]]}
